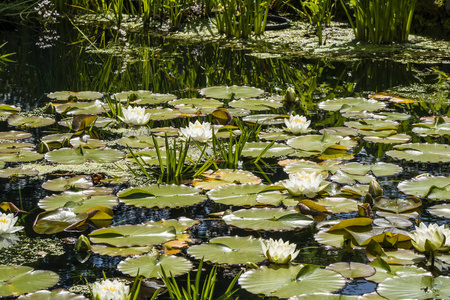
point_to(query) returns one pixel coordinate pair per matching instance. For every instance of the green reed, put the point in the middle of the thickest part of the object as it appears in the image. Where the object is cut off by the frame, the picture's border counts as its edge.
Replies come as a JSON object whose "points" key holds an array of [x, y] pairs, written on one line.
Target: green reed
{"points": [[381, 21]]}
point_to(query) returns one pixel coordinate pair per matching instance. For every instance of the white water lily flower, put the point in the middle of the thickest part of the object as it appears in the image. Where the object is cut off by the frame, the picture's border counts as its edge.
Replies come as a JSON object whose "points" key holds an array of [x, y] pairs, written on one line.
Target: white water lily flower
{"points": [[8, 239], [135, 115], [279, 252], [110, 290], [297, 124], [7, 222], [307, 184], [200, 132], [431, 238]]}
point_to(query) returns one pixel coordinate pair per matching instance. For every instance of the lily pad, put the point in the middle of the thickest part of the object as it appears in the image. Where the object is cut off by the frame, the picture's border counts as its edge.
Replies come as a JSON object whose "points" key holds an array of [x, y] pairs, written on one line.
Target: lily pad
{"points": [[58, 220], [342, 131], [246, 195], [320, 143], [378, 169], [230, 250], [415, 287], [14, 135], [158, 114], [61, 184], [352, 269], [144, 97], [288, 281], [14, 147], [58, 294], [255, 149], [21, 156], [351, 104], [256, 104], [397, 205], [437, 128], [81, 155], [196, 103], [372, 125], [18, 172], [68, 95], [140, 141], [213, 179], [119, 251], [150, 265], [18, 280], [441, 210], [345, 178], [265, 119], [310, 166], [276, 136], [79, 202], [338, 205], [431, 153], [81, 108], [132, 235], [32, 122], [391, 139], [228, 92], [6, 110], [432, 187], [268, 219], [161, 196]]}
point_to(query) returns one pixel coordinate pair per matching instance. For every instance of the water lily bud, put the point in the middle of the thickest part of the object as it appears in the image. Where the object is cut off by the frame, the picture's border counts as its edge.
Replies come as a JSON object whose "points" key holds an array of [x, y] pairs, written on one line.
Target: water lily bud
{"points": [[82, 243], [375, 189], [43, 148], [50, 109], [66, 143], [290, 95]]}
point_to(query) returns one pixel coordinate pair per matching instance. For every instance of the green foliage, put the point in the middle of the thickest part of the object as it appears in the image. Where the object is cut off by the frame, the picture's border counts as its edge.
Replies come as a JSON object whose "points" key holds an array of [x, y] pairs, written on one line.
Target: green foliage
{"points": [[4, 57], [194, 291]]}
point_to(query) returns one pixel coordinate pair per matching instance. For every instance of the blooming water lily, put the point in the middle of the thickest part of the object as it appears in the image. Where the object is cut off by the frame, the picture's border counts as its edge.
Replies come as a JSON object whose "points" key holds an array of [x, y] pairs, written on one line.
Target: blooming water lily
{"points": [[135, 116], [297, 124], [200, 132], [7, 222], [431, 238], [307, 184], [110, 290], [279, 252]]}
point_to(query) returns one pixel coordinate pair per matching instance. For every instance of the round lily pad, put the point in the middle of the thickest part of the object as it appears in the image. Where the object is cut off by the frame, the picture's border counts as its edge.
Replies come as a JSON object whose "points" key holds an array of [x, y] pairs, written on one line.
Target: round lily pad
{"points": [[345, 178], [256, 104], [288, 281], [95, 107], [391, 139], [79, 202], [255, 149], [228, 92], [352, 269], [431, 153], [81, 155], [161, 196], [17, 172], [132, 235], [320, 143], [342, 131], [415, 287], [230, 250], [14, 135], [310, 166], [144, 97], [14, 147], [72, 183], [6, 110], [150, 265], [66, 95], [432, 187], [266, 119], [119, 251], [378, 169], [58, 294], [18, 280], [158, 114], [213, 179], [32, 122], [21, 156], [371, 124], [196, 103], [246, 195], [338, 205], [140, 141], [397, 205], [276, 136], [441, 210], [351, 104], [268, 219]]}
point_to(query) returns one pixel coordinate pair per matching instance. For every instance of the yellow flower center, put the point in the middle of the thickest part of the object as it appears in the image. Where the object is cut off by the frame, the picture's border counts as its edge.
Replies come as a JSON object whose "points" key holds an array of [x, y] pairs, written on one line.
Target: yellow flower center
{"points": [[198, 126], [3, 220], [111, 288], [137, 111], [305, 177], [297, 120]]}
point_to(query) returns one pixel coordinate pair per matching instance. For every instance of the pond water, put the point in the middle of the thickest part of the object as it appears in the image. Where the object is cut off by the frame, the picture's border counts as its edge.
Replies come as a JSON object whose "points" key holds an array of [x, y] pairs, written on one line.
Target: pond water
{"points": [[162, 64]]}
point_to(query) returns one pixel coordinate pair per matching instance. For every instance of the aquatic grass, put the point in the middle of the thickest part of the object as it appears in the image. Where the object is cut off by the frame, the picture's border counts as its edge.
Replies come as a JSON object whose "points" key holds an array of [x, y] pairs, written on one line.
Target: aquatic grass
{"points": [[319, 13], [381, 21], [4, 58]]}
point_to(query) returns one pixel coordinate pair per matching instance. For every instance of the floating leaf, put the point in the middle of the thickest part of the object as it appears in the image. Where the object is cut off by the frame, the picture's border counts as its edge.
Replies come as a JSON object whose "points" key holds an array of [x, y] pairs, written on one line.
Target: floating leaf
{"points": [[150, 265], [246, 195], [132, 235], [119, 251], [269, 219], [213, 179], [255, 149], [18, 280], [61, 184], [351, 104], [432, 187], [67, 95], [265, 119], [79, 202], [81, 108], [352, 269], [229, 250], [397, 205], [338, 205], [391, 139], [81, 155], [320, 143], [54, 221], [14, 135], [256, 104], [6, 110], [32, 122], [158, 114], [431, 153], [140, 141], [58, 294], [441, 210], [196, 103], [21, 156], [161, 196], [310, 166], [14, 147], [228, 92], [378, 169], [350, 223], [345, 178], [342, 131], [415, 287], [285, 282], [144, 97], [17, 172], [372, 125]]}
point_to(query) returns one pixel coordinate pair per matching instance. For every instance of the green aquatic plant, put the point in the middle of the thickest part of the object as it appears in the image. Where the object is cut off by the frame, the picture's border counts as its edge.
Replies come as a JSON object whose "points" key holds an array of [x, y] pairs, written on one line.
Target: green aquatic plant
{"points": [[4, 58]]}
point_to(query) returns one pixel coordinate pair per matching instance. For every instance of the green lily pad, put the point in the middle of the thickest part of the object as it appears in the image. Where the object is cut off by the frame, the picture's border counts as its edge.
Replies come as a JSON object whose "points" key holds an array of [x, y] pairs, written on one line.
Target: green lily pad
{"points": [[437, 128], [142, 141], [95, 107], [67, 95], [161, 196], [415, 287], [345, 178], [158, 114], [79, 202], [150, 265], [87, 143], [21, 156], [372, 125], [14, 147], [81, 155], [268, 219], [32, 122], [351, 104], [397, 205], [6, 110], [17, 172], [385, 271], [58, 294], [229, 250], [54, 221], [256, 104], [181, 224], [338, 205], [288, 281], [14, 135], [326, 296], [213, 179], [228, 92], [431, 153], [144, 97], [391, 139], [18, 280], [255, 149], [378, 169], [389, 222], [196, 103], [441, 210], [397, 256], [265, 119], [342, 131], [310, 166], [276, 136], [119, 251], [132, 235], [246, 195], [320, 143], [432, 187], [352, 269], [355, 191], [80, 182]]}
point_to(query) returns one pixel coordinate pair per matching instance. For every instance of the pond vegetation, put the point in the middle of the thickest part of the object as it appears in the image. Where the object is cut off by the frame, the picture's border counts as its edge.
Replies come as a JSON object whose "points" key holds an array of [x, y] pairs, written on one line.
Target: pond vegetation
{"points": [[174, 149]]}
